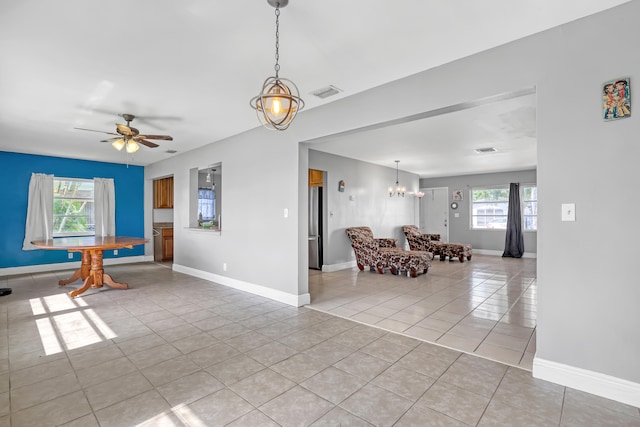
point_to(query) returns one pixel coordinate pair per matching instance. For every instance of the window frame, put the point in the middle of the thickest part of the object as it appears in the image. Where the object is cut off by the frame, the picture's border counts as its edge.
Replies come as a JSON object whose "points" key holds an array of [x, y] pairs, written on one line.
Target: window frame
{"points": [[210, 201], [494, 215], [505, 215], [522, 203], [90, 217]]}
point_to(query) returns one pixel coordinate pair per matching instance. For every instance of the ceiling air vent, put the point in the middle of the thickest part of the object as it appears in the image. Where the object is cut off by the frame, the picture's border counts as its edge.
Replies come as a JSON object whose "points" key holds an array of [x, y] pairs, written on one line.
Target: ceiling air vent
{"points": [[326, 92], [485, 150], [171, 151]]}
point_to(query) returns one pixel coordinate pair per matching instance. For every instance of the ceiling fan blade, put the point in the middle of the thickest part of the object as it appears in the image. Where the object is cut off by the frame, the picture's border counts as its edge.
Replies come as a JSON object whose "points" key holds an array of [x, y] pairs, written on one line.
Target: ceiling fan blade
{"points": [[111, 139], [147, 143], [153, 121], [127, 130], [163, 137], [100, 131]]}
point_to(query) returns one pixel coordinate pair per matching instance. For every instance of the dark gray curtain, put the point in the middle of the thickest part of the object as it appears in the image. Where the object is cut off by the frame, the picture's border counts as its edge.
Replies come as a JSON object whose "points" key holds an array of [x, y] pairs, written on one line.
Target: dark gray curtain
{"points": [[514, 240]]}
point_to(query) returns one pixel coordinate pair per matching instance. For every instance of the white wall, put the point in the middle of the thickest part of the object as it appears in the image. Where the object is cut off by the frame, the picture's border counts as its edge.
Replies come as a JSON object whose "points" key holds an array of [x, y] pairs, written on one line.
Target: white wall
{"points": [[257, 243], [364, 202], [460, 228], [588, 297]]}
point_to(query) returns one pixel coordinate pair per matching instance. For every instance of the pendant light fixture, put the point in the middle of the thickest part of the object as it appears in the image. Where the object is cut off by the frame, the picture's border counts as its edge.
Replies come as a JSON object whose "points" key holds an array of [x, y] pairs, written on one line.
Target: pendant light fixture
{"points": [[279, 101], [397, 190]]}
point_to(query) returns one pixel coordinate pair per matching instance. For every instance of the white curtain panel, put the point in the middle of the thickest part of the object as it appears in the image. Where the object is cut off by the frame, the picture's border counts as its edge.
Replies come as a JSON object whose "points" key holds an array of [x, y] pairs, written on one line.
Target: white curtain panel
{"points": [[104, 196], [39, 224]]}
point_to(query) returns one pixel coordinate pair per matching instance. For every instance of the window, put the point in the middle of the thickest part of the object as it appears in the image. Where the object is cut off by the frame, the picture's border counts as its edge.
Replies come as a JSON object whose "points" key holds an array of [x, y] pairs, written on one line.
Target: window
{"points": [[529, 207], [205, 197], [207, 203], [73, 212], [490, 206]]}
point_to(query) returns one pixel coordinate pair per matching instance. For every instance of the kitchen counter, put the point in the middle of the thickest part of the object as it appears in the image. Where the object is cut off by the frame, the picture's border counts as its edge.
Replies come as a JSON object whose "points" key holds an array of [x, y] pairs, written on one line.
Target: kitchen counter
{"points": [[162, 225]]}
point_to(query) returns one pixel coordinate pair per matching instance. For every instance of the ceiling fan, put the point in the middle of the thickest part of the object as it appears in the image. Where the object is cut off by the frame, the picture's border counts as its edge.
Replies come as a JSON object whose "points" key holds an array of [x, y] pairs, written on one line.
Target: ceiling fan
{"points": [[129, 137]]}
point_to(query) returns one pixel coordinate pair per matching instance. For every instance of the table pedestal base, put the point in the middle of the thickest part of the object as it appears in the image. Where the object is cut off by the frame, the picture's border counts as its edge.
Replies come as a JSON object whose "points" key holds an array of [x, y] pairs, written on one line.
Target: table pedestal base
{"points": [[92, 272]]}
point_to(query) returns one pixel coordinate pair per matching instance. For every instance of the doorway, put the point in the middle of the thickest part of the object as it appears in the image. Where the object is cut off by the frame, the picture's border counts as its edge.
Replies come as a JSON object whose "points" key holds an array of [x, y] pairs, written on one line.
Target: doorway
{"points": [[162, 218], [316, 183], [434, 212]]}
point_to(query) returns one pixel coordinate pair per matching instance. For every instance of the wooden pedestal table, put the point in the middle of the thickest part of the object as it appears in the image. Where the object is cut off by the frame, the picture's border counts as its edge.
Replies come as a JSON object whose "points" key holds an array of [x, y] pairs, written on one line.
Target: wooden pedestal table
{"points": [[91, 247]]}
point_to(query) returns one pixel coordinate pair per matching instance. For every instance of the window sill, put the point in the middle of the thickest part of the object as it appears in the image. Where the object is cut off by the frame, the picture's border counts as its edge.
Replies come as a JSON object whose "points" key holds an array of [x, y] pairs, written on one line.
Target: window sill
{"points": [[206, 230]]}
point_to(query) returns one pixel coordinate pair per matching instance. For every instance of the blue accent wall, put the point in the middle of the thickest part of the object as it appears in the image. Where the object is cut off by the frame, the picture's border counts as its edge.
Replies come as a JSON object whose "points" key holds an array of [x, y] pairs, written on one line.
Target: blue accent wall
{"points": [[15, 173]]}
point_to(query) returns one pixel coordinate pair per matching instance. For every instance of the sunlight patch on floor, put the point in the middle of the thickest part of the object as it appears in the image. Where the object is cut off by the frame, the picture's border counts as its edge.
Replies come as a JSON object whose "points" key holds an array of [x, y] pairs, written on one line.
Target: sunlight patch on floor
{"points": [[78, 327]]}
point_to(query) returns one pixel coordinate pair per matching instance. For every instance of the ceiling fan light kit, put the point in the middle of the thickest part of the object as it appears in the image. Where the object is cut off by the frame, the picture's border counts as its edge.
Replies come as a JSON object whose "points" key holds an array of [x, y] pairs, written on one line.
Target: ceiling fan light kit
{"points": [[129, 138], [118, 144], [279, 101], [132, 146]]}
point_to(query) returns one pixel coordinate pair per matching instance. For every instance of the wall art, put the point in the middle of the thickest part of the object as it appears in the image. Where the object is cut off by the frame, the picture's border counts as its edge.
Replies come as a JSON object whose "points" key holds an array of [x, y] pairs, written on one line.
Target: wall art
{"points": [[616, 99]]}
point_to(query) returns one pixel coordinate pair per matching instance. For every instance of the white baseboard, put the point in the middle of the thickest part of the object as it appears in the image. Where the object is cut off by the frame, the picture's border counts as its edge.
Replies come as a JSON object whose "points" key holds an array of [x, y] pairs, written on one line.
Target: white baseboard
{"points": [[499, 253], [588, 381], [263, 291], [39, 268], [328, 268]]}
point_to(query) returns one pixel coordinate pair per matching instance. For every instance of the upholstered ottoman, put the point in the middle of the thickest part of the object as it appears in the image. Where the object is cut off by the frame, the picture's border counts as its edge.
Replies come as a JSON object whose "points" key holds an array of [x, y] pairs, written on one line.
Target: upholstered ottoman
{"points": [[414, 262], [452, 250]]}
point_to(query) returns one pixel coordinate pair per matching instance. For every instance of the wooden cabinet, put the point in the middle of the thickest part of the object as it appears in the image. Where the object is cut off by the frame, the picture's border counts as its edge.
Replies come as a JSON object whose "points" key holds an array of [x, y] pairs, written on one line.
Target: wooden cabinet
{"points": [[315, 178], [167, 244], [163, 193]]}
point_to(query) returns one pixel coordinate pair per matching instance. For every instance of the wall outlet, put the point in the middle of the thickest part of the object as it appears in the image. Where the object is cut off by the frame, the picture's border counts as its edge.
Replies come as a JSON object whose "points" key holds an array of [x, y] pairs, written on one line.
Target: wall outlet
{"points": [[115, 252], [70, 255], [224, 266]]}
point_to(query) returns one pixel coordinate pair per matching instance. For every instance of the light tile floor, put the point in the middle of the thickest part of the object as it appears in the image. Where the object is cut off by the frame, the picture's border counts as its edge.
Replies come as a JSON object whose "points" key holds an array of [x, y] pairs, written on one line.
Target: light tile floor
{"points": [[175, 350], [485, 307]]}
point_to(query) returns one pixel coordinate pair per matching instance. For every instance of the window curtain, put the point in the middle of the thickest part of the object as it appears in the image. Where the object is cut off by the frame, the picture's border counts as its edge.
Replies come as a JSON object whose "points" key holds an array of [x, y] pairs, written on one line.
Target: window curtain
{"points": [[39, 224], [514, 240], [104, 196]]}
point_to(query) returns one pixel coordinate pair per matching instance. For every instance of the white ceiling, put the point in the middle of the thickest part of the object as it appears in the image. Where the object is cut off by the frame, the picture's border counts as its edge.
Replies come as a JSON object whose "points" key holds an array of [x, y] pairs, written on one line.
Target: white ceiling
{"points": [[444, 142], [189, 68]]}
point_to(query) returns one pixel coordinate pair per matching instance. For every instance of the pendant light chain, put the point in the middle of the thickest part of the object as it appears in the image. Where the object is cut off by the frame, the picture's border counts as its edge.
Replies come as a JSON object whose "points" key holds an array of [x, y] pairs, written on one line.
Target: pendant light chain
{"points": [[277, 66]]}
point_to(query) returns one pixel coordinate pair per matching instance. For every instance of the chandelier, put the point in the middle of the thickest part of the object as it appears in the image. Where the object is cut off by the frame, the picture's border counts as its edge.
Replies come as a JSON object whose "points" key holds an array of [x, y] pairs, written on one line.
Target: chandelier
{"points": [[279, 101], [397, 189]]}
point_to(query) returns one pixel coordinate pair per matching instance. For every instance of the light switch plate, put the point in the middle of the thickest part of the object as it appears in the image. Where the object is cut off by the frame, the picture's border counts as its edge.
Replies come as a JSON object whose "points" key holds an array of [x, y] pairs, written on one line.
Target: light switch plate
{"points": [[568, 211]]}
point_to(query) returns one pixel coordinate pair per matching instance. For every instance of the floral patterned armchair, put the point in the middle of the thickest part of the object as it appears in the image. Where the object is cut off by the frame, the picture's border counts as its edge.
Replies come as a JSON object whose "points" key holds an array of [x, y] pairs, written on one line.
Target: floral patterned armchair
{"points": [[384, 253], [431, 242]]}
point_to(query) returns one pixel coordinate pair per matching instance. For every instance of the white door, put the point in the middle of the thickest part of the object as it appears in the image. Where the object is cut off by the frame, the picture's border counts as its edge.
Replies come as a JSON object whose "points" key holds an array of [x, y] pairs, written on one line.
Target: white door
{"points": [[434, 212]]}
